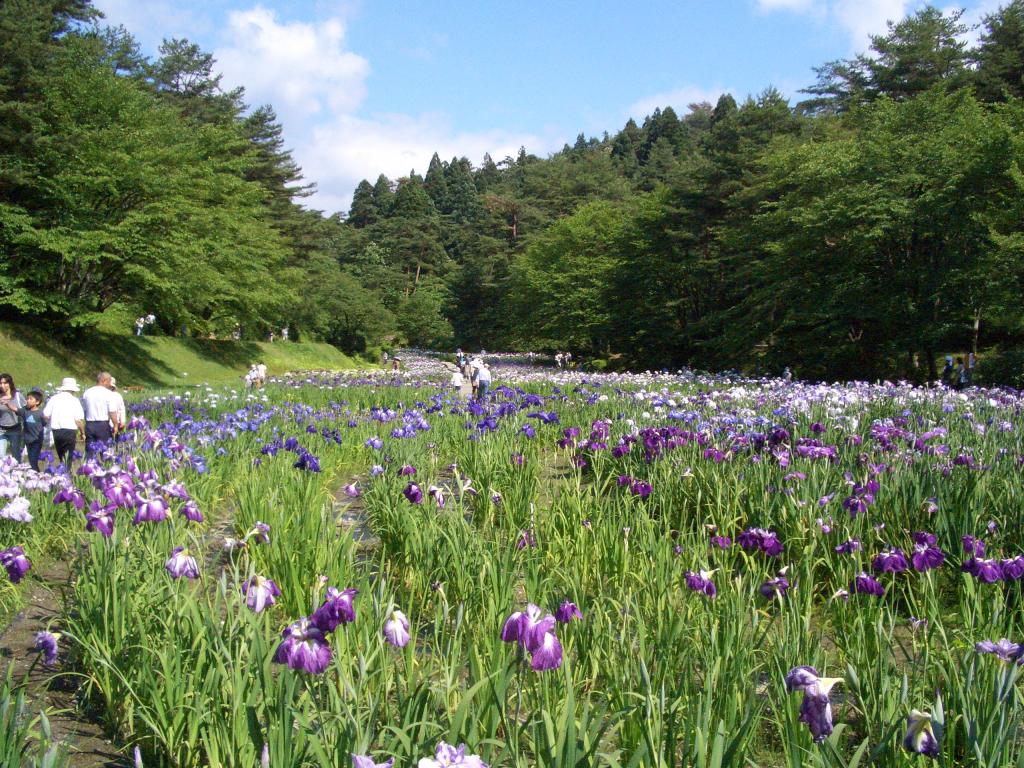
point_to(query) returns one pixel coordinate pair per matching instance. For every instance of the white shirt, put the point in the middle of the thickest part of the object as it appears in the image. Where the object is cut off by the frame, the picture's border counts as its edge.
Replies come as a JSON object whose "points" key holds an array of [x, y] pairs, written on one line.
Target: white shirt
{"points": [[484, 375], [97, 403], [261, 369], [62, 411], [117, 406], [457, 379]]}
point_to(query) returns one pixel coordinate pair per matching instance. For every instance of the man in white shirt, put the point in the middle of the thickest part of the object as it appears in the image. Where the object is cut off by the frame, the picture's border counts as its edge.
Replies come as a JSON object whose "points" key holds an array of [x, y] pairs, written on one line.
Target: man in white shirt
{"points": [[64, 414], [483, 380], [99, 409], [119, 410], [261, 369]]}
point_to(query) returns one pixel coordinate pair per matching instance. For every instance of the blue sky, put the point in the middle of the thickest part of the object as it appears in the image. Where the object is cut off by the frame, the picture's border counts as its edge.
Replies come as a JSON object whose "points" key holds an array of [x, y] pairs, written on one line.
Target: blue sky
{"points": [[364, 88]]}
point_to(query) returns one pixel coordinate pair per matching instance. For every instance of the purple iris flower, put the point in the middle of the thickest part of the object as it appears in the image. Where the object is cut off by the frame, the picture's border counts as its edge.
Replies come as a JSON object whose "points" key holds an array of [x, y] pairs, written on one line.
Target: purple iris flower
{"points": [[927, 554], [413, 493], [352, 491], [407, 470], [437, 494], [120, 489], [446, 755], [640, 488], [1003, 649], [777, 586], [308, 462], [15, 563], [1013, 568], [984, 570], [528, 627], [701, 582], [190, 511], [181, 563], [547, 655], [867, 585], [760, 538], [304, 648], [920, 738], [890, 561], [525, 540], [374, 442], [46, 644], [816, 709], [396, 629], [70, 495], [973, 547], [567, 612], [150, 510], [337, 608], [722, 542], [260, 593], [100, 518], [848, 547], [365, 761]]}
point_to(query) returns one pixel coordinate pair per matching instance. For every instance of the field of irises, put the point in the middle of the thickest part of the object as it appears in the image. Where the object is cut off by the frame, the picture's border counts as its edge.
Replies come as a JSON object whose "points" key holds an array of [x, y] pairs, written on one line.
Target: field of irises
{"points": [[583, 570]]}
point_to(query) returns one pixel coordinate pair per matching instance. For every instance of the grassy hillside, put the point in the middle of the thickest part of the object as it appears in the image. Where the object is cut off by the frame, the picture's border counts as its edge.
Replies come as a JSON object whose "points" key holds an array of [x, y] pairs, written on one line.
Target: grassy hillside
{"points": [[34, 357]]}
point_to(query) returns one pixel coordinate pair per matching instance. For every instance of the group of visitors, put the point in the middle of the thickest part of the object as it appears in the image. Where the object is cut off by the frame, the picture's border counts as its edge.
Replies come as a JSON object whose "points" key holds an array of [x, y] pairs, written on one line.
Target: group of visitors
{"points": [[563, 359], [471, 377], [257, 376], [142, 322], [97, 418], [959, 375]]}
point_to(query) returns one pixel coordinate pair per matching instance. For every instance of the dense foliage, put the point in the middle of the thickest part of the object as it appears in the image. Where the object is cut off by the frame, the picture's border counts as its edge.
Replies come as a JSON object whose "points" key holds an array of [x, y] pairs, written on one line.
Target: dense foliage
{"points": [[866, 231]]}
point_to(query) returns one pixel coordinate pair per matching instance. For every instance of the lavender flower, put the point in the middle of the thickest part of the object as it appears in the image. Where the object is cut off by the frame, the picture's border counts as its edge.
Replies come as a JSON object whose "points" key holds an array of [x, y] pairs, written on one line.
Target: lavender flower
{"points": [[181, 563], [352, 491], [447, 756], [1003, 649], [304, 648], [100, 518], [190, 511], [848, 547], [547, 655], [396, 629], [150, 510], [776, 587], [260, 593], [46, 644]]}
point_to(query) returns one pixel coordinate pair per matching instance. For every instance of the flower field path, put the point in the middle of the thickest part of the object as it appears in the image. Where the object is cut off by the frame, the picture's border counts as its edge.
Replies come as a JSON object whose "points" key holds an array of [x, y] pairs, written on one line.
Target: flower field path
{"points": [[54, 693]]}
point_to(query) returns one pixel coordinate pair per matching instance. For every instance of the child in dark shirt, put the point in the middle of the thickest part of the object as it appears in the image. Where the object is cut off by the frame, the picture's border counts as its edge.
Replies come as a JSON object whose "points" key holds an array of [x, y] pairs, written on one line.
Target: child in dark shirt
{"points": [[33, 421]]}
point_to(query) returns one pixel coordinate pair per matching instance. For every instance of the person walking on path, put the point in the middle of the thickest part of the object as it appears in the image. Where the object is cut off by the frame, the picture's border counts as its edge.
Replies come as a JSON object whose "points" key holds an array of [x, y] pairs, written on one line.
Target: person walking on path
{"points": [[12, 404], [34, 427], [100, 409], [483, 380], [122, 414], [64, 414]]}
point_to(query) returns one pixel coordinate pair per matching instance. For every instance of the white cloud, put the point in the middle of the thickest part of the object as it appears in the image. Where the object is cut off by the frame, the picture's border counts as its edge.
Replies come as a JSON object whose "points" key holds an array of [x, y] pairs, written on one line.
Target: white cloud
{"points": [[679, 99], [302, 69], [858, 18], [342, 152]]}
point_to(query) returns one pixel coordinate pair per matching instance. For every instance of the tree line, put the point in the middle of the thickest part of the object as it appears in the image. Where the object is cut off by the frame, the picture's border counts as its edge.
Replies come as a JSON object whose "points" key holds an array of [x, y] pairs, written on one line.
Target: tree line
{"points": [[864, 231]]}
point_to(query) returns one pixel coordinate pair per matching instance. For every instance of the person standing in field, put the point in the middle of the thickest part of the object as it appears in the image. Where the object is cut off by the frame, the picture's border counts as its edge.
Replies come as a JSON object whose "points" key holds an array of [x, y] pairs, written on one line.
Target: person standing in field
{"points": [[483, 380], [261, 374], [34, 427], [11, 406], [100, 410], [458, 380], [64, 414], [116, 398]]}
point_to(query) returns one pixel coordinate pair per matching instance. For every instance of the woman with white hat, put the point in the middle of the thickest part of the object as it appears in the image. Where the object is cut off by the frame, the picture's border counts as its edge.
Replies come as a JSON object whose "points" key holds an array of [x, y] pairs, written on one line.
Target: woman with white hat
{"points": [[66, 418]]}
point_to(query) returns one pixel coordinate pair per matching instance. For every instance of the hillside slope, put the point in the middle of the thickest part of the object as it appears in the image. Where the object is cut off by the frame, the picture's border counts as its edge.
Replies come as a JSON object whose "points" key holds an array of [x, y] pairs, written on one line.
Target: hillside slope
{"points": [[35, 358]]}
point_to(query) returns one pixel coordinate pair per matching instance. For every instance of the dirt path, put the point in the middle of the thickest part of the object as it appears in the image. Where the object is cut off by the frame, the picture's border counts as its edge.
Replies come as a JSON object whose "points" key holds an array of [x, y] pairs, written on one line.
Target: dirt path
{"points": [[48, 689]]}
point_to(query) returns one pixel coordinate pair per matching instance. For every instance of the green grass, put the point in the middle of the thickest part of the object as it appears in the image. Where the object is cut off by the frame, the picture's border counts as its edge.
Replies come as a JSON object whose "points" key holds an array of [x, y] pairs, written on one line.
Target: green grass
{"points": [[35, 357]]}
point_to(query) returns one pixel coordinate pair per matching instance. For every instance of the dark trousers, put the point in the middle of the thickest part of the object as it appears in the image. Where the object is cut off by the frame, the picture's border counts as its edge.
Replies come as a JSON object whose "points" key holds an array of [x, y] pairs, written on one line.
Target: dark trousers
{"points": [[64, 444], [34, 449], [97, 432]]}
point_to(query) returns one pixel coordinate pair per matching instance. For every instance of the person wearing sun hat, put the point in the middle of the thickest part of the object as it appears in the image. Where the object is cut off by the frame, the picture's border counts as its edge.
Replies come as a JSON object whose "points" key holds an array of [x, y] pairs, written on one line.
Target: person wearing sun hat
{"points": [[66, 418]]}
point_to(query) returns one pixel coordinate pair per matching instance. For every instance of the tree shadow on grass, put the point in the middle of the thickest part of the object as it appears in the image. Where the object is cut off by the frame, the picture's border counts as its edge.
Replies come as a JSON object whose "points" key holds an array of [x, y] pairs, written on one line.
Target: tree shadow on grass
{"points": [[126, 356]]}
